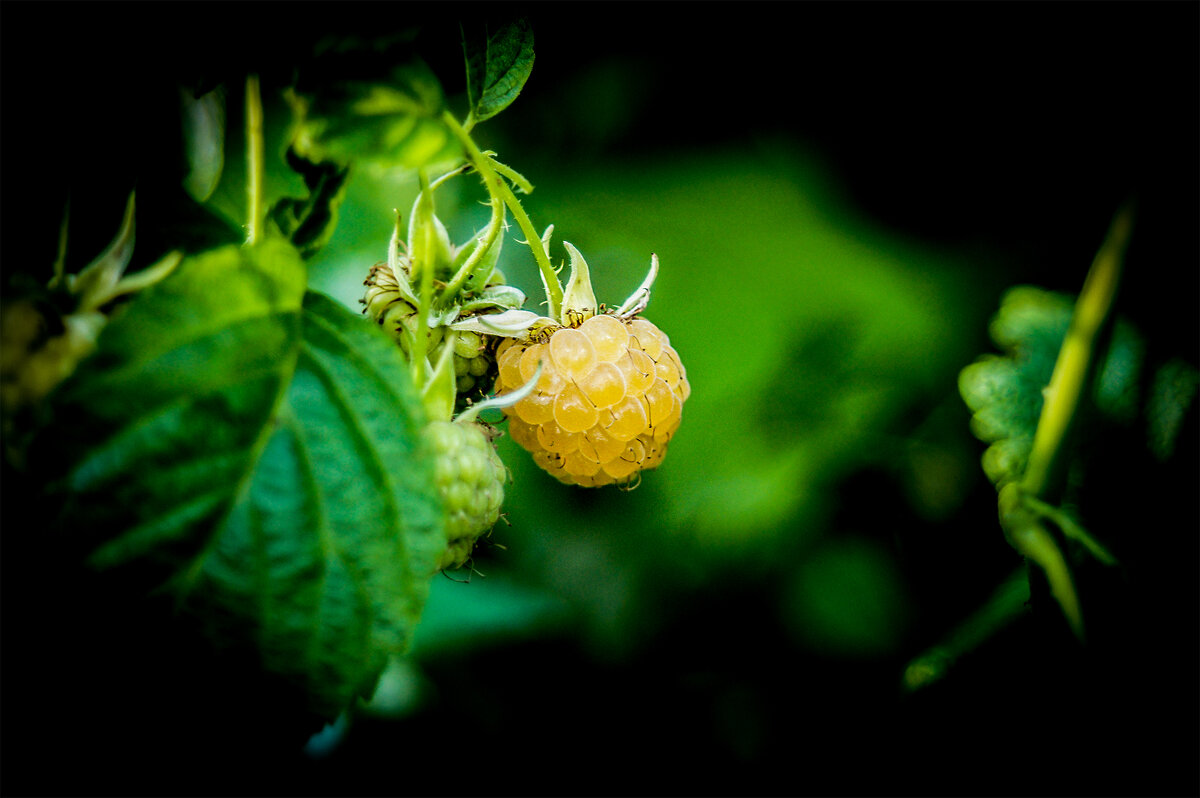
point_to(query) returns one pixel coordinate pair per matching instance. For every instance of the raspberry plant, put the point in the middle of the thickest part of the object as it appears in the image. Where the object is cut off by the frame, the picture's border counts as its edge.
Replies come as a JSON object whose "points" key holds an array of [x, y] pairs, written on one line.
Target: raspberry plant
{"points": [[289, 475], [1072, 372]]}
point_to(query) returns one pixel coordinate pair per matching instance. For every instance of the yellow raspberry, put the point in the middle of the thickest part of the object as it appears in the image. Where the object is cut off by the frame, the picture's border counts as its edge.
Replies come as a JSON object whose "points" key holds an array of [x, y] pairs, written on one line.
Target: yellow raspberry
{"points": [[609, 399]]}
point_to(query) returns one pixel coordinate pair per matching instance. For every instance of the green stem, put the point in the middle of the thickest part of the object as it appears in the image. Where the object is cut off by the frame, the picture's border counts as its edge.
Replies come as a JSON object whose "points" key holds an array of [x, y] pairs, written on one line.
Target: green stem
{"points": [[254, 159], [554, 291], [1071, 529], [497, 187], [1023, 505], [1076, 362], [60, 262], [1006, 605], [422, 254]]}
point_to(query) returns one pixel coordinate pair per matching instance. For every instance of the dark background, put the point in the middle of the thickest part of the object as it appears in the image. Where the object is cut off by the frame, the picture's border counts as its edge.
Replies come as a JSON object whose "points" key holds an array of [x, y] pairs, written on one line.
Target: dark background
{"points": [[1012, 130]]}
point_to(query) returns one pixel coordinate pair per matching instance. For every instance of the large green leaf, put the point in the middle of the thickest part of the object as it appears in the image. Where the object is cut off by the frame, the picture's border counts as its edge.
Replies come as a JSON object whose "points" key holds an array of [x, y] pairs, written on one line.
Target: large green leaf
{"points": [[254, 451], [497, 67], [392, 120]]}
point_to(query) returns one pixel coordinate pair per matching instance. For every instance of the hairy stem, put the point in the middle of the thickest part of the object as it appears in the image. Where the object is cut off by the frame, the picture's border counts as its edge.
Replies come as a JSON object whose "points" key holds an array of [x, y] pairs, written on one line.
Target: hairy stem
{"points": [[498, 188]]}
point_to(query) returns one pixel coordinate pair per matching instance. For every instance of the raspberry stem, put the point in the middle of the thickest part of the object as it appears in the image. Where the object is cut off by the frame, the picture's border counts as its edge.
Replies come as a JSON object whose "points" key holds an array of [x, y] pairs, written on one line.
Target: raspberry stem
{"points": [[422, 253], [499, 189], [1077, 361], [254, 159]]}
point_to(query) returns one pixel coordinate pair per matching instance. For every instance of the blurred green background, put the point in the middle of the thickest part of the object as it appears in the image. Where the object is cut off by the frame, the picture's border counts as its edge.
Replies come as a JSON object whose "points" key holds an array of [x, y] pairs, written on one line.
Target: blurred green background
{"points": [[838, 194]]}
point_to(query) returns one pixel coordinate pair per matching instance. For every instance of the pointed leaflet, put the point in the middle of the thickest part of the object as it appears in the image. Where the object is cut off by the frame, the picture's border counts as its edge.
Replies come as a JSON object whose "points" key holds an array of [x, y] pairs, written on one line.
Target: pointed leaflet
{"points": [[497, 67], [255, 452]]}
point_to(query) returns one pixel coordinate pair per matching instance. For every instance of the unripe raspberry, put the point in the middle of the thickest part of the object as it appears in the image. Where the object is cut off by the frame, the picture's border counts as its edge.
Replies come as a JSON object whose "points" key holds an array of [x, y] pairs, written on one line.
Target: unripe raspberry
{"points": [[384, 301], [609, 399], [470, 478]]}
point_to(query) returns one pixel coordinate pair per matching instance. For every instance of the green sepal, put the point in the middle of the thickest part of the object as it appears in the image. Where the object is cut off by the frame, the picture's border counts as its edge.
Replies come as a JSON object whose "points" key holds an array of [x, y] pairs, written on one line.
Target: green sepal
{"points": [[482, 272], [495, 297], [398, 266], [94, 284], [579, 300], [520, 324], [435, 251], [437, 395]]}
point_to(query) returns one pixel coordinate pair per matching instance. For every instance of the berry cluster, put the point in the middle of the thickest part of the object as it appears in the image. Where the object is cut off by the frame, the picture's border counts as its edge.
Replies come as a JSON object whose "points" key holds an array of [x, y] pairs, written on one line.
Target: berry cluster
{"points": [[608, 400], [393, 307]]}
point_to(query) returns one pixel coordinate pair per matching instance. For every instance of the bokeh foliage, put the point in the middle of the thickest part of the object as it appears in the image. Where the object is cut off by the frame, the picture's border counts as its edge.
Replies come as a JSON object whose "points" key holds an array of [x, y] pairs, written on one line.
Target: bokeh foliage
{"points": [[837, 226]]}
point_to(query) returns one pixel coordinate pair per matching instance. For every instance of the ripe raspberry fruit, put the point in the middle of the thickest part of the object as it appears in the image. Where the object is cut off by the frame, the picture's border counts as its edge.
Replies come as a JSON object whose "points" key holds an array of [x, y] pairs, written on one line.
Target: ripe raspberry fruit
{"points": [[470, 477], [610, 396]]}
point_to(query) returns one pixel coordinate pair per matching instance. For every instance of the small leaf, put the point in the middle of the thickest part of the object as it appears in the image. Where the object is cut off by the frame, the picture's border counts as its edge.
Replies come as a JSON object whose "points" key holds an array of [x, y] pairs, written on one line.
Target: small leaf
{"points": [[309, 222], [1004, 393], [203, 140], [497, 67], [254, 451]]}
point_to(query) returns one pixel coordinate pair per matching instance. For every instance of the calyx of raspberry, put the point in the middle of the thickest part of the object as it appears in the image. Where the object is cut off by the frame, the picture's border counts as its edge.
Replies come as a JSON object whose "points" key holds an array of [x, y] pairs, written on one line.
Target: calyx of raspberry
{"points": [[463, 283], [578, 305], [33, 360]]}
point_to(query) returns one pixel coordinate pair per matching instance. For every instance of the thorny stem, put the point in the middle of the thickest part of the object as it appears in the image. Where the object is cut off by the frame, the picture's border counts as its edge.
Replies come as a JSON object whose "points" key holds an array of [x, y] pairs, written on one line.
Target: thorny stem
{"points": [[254, 159], [498, 188]]}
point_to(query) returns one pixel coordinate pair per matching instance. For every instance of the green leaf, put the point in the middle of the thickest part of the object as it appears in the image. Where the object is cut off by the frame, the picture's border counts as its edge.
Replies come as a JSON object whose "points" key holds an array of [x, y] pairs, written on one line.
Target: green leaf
{"points": [[309, 222], [1004, 393], [203, 140], [391, 122], [254, 451], [497, 67]]}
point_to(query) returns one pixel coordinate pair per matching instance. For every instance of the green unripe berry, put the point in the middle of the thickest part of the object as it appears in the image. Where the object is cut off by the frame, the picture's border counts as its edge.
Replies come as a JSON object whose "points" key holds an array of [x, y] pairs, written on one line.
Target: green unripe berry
{"points": [[470, 478]]}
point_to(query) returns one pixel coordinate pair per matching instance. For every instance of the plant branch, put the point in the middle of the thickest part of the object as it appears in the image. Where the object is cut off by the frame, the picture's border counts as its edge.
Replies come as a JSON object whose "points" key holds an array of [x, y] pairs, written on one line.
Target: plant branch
{"points": [[1076, 362], [422, 254], [254, 159], [498, 188]]}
